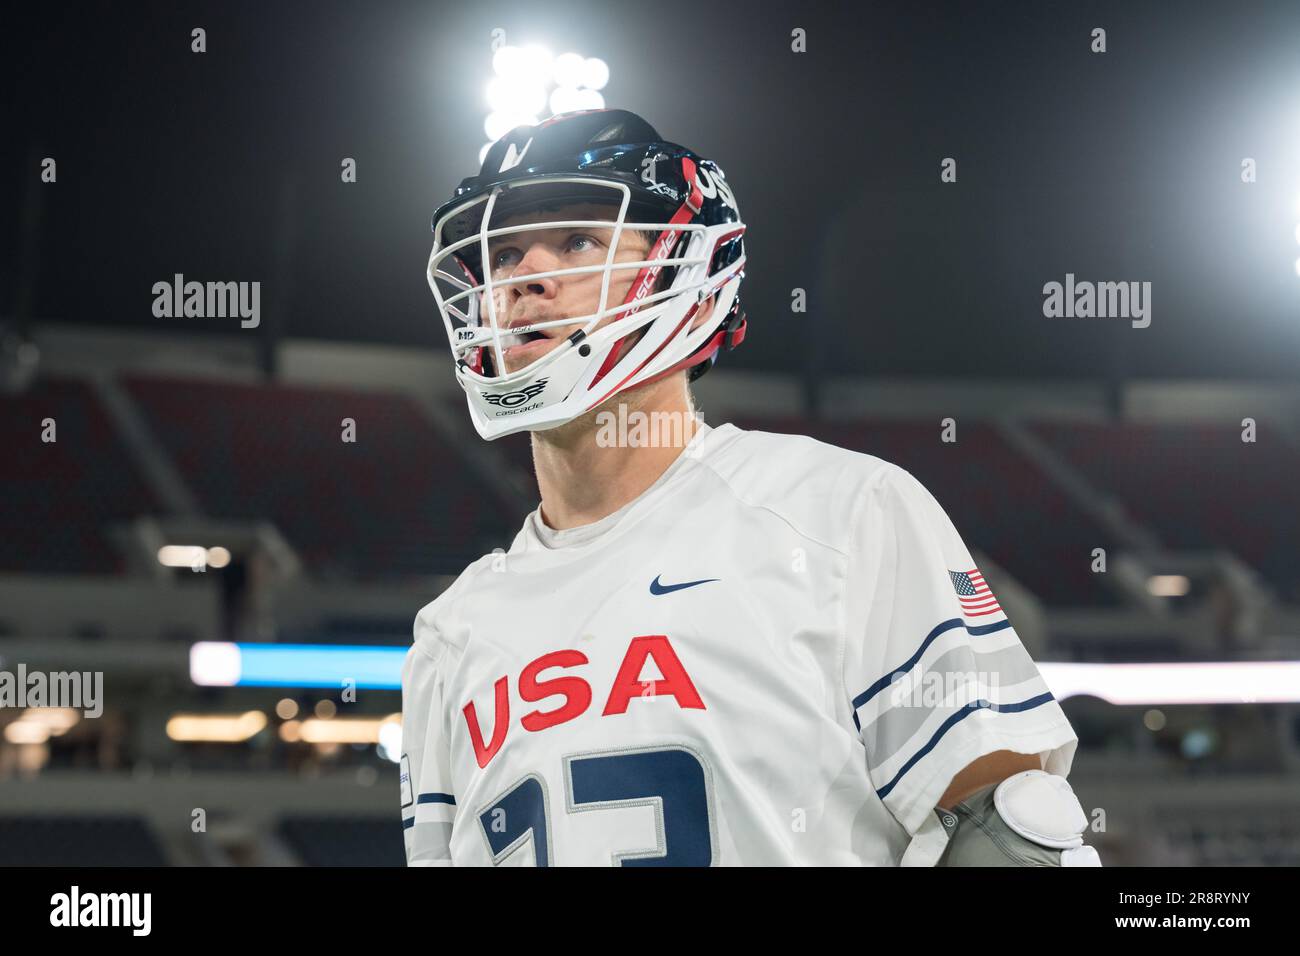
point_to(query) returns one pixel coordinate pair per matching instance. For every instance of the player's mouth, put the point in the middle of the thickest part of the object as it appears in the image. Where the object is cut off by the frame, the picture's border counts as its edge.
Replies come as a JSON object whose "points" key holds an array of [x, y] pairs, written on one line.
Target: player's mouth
{"points": [[519, 348]]}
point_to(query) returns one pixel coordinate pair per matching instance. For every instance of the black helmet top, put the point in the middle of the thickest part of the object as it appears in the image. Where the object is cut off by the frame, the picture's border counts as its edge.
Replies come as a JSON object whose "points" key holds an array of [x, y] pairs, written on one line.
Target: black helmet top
{"points": [[612, 145]]}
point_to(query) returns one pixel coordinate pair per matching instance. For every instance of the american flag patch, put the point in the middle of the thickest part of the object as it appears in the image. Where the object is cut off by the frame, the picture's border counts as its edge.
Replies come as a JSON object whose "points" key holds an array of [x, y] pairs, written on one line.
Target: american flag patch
{"points": [[975, 597]]}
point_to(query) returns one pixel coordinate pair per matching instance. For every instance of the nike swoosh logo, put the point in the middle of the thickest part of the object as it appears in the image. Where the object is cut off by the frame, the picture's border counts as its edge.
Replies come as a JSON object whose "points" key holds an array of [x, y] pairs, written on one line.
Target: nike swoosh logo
{"points": [[657, 588]]}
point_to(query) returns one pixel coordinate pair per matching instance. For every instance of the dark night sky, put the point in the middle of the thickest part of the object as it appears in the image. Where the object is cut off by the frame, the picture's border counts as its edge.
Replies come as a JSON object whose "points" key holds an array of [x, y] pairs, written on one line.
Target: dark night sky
{"points": [[1123, 166]]}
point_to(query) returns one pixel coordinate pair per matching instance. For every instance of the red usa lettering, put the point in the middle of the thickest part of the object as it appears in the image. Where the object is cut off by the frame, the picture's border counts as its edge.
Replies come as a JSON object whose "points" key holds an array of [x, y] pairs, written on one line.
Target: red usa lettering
{"points": [[676, 683]]}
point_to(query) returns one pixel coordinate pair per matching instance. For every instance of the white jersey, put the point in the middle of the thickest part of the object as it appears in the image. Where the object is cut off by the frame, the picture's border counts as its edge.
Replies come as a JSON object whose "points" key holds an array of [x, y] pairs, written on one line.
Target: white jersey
{"points": [[779, 654]]}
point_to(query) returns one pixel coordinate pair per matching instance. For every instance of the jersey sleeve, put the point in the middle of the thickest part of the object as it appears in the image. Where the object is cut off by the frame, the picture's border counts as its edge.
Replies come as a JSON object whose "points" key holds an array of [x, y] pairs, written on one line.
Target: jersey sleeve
{"points": [[935, 671], [428, 800]]}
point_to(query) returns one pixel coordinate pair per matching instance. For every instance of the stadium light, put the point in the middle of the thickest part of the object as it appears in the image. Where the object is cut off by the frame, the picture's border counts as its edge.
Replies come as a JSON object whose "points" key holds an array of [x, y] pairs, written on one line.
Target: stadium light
{"points": [[192, 556], [528, 82], [1226, 682], [516, 96], [596, 73], [591, 100], [1168, 585], [498, 124], [570, 69], [38, 724], [182, 556], [390, 740], [509, 62], [26, 732], [341, 730], [565, 99], [538, 63], [219, 664], [215, 664], [215, 728]]}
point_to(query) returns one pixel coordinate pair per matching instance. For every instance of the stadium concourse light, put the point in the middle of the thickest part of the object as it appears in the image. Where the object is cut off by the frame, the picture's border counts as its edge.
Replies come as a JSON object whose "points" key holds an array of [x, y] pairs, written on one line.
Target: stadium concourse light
{"points": [[1168, 585], [528, 82], [1210, 682], [216, 664], [221, 664], [215, 728], [341, 730], [192, 556], [390, 740], [38, 724]]}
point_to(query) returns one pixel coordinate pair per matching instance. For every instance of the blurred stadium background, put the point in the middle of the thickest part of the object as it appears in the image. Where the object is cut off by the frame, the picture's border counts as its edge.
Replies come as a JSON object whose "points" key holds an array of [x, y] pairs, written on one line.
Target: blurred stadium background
{"points": [[199, 521]]}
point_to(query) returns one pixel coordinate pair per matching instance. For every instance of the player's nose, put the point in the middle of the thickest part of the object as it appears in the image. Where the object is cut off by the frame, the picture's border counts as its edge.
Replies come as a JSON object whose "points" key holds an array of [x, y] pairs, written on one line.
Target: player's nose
{"points": [[537, 259]]}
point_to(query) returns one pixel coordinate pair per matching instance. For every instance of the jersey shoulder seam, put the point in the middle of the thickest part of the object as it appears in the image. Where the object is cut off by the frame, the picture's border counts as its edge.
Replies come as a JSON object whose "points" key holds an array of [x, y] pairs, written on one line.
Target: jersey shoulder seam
{"points": [[867, 490]]}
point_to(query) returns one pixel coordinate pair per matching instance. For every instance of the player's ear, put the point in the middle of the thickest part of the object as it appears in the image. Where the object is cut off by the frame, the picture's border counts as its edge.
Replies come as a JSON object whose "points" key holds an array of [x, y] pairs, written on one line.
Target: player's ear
{"points": [[704, 313]]}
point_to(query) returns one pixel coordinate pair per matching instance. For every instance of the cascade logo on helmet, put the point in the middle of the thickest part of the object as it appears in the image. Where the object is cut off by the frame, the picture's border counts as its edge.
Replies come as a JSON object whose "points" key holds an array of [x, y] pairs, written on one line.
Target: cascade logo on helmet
{"points": [[598, 319], [512, 399]]}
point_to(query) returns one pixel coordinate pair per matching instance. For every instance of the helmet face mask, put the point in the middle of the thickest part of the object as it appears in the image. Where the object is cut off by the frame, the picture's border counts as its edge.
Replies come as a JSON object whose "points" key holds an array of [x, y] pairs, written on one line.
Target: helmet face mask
{"points": [[639, 326]]}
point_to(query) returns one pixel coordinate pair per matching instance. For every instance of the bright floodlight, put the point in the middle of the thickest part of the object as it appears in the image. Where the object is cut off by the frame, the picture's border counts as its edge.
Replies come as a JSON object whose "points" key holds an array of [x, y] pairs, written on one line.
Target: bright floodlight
{"points": [[1297, 267], [590, 100], [509, 61], [570, 69], [515, 96], [538, 63], [595, 73], [498, 124], [565, 99]]}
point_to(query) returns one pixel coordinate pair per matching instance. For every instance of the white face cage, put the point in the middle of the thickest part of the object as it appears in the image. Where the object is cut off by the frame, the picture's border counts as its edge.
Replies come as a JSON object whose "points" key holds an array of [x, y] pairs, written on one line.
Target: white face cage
{"points": [[576, 375]]}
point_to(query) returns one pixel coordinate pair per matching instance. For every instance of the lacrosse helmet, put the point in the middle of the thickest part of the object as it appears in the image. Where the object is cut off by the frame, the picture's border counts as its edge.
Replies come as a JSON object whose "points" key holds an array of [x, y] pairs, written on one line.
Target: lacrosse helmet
{"points": [[678, 200]]}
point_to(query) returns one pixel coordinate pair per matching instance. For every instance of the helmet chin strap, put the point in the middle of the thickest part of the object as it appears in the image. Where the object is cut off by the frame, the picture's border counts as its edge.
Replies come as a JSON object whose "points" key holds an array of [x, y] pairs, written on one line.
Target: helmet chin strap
{"points": [[730, 334]]}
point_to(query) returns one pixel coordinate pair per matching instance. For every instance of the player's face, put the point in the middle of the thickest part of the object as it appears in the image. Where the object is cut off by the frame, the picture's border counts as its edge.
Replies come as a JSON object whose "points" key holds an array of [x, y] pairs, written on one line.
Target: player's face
{"points": [[557, 297]]}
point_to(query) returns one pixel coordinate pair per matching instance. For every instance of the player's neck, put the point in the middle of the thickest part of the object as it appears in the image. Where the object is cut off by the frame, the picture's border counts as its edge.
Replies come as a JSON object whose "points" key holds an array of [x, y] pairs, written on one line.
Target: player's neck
{"points": [[587, 469]]}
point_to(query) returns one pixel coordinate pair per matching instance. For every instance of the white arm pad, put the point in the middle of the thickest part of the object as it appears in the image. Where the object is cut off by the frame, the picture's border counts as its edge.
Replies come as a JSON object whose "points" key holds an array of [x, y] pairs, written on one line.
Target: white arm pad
{"points": [[1042, 808]]}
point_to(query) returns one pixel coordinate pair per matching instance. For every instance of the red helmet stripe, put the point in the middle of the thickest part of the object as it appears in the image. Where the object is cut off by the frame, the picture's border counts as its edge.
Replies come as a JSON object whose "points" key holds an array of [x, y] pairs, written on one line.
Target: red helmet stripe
{"points": [[643, 283]]}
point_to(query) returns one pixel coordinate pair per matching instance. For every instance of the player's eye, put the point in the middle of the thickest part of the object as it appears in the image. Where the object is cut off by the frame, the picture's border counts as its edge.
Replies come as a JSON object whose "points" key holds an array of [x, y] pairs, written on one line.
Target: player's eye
{"points": [[507, 257], [504, 257]]}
